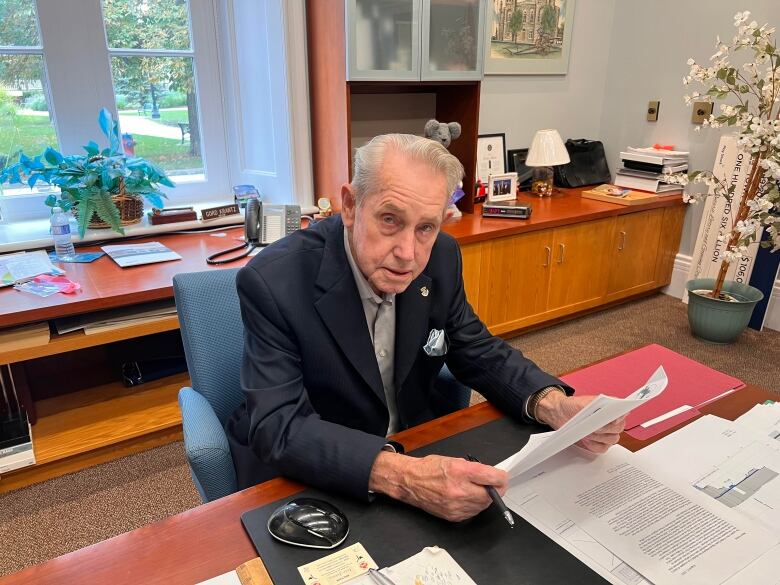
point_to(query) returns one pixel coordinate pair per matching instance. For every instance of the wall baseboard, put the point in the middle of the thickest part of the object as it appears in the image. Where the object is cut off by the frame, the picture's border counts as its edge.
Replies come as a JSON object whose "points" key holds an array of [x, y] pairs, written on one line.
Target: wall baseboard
{"points": [[682, 265]]}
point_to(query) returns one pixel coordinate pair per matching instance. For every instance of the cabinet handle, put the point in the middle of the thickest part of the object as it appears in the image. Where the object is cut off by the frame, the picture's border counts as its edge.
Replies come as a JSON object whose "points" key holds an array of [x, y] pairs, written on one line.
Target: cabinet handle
{"points": [[548, 256], [562, 248], [622, 244]]}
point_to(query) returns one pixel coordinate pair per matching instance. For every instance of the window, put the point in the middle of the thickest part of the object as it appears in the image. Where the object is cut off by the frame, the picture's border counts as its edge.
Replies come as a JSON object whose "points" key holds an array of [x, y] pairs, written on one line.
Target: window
{"points": [[153, 72], [25, 122], [156, 65], [213, 91]]}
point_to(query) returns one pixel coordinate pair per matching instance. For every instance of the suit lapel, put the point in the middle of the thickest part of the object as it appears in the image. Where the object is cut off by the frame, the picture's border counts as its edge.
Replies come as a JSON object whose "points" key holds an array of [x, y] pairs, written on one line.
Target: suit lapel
{"points": [[412, 312], [341, 310]]}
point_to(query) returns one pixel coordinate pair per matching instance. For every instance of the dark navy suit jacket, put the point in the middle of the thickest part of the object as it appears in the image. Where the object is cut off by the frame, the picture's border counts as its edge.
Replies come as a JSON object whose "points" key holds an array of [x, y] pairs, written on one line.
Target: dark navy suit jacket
{"points": [[315, 405]]}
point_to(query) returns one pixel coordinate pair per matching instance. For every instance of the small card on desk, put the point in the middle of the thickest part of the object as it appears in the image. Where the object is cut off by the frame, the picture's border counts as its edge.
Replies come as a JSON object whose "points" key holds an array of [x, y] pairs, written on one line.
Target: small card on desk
{"points": [[80, 257], [339, 567]]}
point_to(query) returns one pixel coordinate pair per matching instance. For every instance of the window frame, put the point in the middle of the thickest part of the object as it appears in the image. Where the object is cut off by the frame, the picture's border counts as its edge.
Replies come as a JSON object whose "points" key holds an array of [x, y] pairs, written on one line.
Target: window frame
{"points": [[67, 35]]}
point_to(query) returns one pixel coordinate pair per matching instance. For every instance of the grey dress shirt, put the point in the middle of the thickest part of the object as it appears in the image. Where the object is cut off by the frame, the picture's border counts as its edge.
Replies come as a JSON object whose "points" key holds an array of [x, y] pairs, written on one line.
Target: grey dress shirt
{"points": [[380, 320]]}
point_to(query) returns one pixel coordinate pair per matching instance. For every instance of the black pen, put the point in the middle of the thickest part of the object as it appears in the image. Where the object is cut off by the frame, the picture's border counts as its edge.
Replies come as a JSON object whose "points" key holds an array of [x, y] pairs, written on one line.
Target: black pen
{"points": [[495, 497]]}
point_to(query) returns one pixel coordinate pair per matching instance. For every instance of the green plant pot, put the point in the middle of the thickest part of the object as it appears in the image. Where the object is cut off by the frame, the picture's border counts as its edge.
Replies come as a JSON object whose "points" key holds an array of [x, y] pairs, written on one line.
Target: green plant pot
{"points": [[717, 321]]}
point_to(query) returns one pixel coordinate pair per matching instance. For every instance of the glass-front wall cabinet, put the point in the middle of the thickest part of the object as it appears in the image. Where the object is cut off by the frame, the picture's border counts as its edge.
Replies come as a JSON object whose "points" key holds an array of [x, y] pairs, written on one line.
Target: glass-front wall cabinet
{"points": [[452, 42], [413, 40], [384, 39]]}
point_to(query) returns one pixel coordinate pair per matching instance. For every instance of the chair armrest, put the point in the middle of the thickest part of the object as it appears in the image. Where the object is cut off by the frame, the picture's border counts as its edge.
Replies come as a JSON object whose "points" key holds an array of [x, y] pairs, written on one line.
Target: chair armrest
{"points": [[206, 447]]}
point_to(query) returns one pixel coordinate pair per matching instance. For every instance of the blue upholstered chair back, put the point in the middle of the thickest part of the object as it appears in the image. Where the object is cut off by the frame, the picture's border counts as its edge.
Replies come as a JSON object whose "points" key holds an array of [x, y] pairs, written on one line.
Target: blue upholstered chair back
{"points": [[213, 335]]}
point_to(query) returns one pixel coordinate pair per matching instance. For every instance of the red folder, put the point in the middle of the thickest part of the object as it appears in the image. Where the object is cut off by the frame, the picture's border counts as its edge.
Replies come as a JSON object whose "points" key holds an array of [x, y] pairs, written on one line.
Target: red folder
{"points": [[690, 384]]}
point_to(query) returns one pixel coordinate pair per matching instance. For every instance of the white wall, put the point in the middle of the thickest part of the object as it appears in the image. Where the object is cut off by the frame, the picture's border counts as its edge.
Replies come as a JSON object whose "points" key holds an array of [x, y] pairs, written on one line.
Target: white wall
{"points": [[519, 105], [651, 41]]}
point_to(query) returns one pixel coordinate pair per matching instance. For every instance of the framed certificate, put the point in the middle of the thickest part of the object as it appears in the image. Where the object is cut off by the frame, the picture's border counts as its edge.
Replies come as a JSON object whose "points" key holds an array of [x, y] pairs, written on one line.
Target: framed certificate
{"points": [[491, 156]]}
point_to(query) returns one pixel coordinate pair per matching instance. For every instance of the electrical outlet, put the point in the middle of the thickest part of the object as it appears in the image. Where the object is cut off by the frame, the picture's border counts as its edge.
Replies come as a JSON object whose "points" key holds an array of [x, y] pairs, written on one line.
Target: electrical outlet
{"points": [[652, 111], [700, 112]]}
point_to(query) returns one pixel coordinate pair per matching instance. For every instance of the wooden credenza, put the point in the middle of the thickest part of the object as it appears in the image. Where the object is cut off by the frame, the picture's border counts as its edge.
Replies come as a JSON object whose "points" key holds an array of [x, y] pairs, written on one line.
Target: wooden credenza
{"points": [[572, 256], [560, 269]]}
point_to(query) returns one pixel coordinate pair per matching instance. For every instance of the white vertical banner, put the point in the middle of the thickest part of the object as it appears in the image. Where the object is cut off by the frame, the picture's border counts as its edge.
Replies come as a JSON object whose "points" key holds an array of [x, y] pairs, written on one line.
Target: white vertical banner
{"points": [[732, 165]]}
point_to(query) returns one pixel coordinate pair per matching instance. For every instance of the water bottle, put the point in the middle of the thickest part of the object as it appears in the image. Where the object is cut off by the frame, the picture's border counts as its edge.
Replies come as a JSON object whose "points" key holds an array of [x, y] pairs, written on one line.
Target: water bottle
{"points": [[60, 232]]}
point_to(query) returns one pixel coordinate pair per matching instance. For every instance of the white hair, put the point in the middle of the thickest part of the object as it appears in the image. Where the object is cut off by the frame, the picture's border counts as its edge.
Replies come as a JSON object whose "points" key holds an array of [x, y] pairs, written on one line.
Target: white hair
{"points": [[367, 172]]}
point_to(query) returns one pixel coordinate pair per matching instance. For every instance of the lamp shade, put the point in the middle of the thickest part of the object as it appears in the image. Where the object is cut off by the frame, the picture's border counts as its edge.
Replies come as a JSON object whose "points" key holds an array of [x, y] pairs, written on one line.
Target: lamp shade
{"points": [[547, 150]]}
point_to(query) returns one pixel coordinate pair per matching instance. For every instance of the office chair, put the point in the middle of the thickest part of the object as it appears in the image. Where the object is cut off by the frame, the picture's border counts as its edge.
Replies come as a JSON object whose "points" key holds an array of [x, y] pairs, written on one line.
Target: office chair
{"points": [[213, 335]]}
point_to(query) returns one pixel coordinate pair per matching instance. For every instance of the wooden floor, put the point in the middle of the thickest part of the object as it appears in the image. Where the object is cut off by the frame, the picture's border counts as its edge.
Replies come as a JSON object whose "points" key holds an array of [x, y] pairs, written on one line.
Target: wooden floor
{"points": [[106, 422]]}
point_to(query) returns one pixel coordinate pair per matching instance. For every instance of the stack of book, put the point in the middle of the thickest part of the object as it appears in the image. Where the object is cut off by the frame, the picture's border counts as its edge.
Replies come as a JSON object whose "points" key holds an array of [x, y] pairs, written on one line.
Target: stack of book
{"points": [[644, 169]]}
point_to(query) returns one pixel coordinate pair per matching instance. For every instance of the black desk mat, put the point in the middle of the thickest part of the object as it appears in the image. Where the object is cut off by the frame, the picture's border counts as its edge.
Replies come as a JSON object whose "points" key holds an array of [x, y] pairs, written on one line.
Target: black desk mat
{"points": [[489, 550]]}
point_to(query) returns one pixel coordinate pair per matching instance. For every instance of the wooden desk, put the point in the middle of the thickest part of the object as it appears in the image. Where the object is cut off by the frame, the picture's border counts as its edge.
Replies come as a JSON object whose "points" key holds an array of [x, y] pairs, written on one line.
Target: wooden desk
{"points": [[209, 540], [104, 285], [515, 276]]}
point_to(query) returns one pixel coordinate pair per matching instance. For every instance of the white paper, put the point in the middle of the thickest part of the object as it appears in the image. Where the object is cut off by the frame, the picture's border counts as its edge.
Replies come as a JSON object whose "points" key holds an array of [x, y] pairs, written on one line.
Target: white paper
{"points": [[136, 254], [670, 533], [732, 464], [431, 566], [25, 266], [762, 571], [545, 517], [230, 578], [763, 419], [601, 411]]}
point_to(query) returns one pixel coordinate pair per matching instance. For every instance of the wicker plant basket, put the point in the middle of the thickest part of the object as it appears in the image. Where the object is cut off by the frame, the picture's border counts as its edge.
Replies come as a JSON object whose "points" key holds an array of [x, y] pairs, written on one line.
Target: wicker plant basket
{"points": [[131, 210]]}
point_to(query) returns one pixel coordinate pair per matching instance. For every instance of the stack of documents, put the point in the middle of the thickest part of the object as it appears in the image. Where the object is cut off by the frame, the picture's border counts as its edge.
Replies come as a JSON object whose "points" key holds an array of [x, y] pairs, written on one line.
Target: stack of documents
{"points": [[16, 445], [702, 505], [116, 318], [644, 169], [23, 266]]}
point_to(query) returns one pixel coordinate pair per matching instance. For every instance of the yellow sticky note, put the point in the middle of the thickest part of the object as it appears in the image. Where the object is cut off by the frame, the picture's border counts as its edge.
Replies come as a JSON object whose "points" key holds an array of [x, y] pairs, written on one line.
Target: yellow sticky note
{"points": [[338, 567]]}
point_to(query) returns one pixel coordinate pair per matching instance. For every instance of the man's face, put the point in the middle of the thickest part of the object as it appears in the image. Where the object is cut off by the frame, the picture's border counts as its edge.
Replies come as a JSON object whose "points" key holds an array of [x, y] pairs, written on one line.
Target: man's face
{"points": [[391, 234]]}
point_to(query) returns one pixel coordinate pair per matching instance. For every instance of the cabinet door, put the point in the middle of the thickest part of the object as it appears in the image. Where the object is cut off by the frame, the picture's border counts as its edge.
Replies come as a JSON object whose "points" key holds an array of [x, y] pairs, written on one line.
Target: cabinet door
{"points": [[452, 39], [383, 40], [634, 254], [472, 260], [578, 278], [514, 279]]}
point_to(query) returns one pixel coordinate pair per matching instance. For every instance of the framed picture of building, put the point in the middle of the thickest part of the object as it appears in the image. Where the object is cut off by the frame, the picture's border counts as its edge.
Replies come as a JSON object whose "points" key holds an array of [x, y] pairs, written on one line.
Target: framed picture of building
{"points": [[528, 37]]}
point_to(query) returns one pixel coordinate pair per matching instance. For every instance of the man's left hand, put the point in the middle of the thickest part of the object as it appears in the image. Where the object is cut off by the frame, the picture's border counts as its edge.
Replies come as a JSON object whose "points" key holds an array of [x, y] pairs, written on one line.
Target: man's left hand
{"points": [[555, 409]]}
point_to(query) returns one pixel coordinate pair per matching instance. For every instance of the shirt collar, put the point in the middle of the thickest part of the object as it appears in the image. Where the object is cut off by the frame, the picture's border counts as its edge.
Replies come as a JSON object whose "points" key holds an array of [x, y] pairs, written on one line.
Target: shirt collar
{"points": [[364, 288]]}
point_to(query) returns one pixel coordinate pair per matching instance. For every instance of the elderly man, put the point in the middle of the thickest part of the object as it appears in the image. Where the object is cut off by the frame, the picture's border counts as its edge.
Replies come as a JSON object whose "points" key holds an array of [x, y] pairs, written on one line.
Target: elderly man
{"points": [[336, 319]]}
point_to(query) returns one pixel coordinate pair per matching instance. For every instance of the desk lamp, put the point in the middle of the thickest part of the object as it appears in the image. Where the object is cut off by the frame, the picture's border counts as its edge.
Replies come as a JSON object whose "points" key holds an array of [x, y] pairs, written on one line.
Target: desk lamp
{"points": [[547, 150]]}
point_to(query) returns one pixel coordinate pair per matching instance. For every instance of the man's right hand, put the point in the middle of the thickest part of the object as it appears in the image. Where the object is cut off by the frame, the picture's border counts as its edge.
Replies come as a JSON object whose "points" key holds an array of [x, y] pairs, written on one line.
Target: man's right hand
{"points": [[450, 488]]}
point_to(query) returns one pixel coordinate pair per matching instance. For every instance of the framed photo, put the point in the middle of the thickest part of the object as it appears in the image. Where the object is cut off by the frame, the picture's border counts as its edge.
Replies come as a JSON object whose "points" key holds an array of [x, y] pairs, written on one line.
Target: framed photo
{"points": [[502, 187], [516, 164], [491, 156], [528, 38]]}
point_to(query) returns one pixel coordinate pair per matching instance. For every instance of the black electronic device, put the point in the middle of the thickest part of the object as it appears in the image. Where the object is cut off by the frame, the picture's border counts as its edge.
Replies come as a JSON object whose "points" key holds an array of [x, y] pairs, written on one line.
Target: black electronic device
{"points": [[309, 522], [516, 164], [510, 209], [263, 225]]}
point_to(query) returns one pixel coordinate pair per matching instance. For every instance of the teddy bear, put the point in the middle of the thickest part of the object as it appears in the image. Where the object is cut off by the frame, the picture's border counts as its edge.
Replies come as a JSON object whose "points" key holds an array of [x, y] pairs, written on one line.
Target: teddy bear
{"points": [[441, 132], [446, 133]]}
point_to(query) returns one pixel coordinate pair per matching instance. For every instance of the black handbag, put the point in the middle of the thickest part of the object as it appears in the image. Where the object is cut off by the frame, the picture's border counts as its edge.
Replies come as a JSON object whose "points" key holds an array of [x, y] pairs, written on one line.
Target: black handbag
{"points": [[588, 165]]}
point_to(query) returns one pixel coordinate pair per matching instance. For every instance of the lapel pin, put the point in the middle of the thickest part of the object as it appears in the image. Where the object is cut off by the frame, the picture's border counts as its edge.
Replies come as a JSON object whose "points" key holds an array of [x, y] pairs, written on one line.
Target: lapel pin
{"points": [[424, 291]]}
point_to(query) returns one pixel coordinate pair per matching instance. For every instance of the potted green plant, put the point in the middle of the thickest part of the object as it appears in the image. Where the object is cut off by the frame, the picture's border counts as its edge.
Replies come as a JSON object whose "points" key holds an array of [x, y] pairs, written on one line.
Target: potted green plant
{"points": [[103, 188], [720, 309]]}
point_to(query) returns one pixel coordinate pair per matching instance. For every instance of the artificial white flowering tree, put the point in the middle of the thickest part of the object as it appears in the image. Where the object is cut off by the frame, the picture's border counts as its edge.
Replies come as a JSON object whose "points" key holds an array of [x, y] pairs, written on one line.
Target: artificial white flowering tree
{"points": [[751, 104]]}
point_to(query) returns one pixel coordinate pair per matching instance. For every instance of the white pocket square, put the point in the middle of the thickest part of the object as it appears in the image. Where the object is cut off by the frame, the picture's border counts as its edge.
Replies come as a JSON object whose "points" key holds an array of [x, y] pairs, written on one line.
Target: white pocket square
{"points": [[436, 344]]}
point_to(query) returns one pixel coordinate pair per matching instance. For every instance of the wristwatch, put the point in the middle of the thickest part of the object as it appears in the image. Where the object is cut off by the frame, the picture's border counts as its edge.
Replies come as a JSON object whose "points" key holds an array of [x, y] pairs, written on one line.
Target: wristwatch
{"points": [[535, 399]]}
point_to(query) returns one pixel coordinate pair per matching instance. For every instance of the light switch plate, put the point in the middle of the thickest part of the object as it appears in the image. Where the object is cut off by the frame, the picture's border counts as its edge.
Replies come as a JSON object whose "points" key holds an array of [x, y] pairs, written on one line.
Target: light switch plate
{"points": [[700, 112], [652, 111]]}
